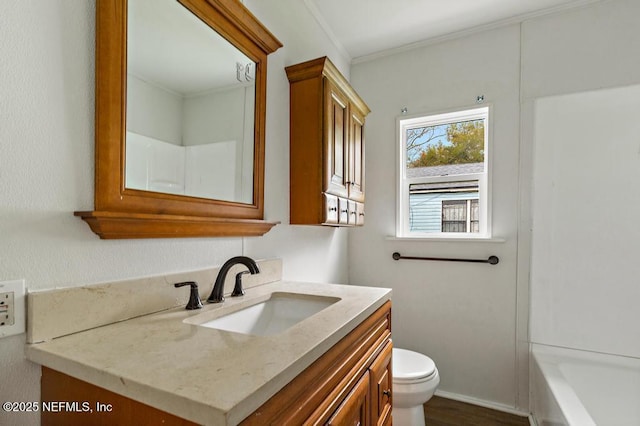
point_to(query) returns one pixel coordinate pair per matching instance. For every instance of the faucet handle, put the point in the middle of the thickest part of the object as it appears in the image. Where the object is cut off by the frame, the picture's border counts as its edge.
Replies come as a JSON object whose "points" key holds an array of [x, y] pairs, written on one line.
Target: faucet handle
{"points": [[237, 288], [194, 297]]}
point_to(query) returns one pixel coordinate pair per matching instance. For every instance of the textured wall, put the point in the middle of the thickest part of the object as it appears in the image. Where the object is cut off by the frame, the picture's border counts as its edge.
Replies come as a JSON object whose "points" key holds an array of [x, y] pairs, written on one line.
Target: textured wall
{"points": [[461, 315], [46, 170]]}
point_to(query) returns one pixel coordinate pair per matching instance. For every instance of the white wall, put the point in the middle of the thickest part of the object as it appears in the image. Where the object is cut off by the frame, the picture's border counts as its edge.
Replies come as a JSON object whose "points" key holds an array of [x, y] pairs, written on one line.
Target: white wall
{"points": [[584, 266], [46, 170], [461, 315]]}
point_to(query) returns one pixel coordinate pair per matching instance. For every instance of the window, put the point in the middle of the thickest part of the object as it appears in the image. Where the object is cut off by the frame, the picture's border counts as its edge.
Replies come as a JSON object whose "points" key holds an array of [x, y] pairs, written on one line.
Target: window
{"points": [[443, 184]]}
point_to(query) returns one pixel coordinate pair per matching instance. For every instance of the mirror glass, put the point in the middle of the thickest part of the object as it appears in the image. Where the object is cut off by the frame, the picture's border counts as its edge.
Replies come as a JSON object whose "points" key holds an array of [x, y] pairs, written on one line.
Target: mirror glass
{"points": [[190, 106]]}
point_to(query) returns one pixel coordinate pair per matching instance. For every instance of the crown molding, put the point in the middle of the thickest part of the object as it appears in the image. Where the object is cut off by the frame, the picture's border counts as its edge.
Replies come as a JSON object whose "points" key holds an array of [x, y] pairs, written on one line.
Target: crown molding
{"points": [[315, 12]]}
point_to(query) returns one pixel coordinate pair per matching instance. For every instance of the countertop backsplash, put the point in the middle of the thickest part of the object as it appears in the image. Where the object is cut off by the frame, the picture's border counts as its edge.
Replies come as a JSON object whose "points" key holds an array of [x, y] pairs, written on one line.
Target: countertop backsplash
{"points": [[58, 312]]}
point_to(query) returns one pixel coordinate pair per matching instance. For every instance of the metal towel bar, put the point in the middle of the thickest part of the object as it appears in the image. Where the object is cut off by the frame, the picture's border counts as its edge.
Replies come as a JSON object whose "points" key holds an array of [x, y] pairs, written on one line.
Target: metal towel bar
{"points": [[492, 260]]}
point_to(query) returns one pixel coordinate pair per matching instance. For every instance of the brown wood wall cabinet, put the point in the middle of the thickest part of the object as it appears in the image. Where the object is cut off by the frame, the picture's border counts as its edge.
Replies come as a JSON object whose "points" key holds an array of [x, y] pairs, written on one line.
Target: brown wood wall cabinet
{"points": [[349, 383], [326, 146]]}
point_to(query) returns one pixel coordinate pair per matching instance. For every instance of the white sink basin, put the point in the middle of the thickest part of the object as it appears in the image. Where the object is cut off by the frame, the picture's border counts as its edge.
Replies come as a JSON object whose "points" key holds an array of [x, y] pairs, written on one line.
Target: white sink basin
{"points": [[268, 317]]}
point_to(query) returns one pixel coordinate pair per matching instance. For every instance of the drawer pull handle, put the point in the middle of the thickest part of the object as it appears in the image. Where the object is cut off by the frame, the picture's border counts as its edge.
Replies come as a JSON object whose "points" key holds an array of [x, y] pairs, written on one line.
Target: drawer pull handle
{"points": [[387, 392]]}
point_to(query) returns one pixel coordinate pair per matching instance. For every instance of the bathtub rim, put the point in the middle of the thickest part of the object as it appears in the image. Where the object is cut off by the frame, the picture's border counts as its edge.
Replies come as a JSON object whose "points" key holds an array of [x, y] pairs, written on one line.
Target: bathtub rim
{"points": [[547, 359]]}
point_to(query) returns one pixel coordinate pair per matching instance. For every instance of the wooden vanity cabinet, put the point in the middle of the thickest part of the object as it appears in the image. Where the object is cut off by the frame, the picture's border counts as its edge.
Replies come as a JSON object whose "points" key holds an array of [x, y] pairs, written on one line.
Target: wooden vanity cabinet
{"points": [[349, 384], [381, 385], [78, 403], [354, 410], [326, 146]]}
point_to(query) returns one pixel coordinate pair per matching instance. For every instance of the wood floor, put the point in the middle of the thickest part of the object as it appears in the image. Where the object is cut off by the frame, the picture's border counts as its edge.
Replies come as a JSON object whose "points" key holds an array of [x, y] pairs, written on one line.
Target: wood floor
{"points": [[447, 412]]}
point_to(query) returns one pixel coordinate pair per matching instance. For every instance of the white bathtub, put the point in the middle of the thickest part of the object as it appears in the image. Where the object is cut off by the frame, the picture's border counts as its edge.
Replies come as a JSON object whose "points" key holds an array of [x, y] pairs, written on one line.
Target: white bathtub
{"points": [[578, 388]]}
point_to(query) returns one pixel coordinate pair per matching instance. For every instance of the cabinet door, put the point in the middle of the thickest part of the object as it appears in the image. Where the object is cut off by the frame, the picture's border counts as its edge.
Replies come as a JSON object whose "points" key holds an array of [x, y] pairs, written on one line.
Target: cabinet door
{"points": [[354, 410], [381, 387], [356, 156], [336, 142]]}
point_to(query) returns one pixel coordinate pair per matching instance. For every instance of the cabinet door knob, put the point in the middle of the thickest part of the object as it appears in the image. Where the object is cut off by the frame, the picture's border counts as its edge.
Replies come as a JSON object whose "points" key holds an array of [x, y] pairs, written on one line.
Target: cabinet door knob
{"points": [[333, 209], [387, 392]]}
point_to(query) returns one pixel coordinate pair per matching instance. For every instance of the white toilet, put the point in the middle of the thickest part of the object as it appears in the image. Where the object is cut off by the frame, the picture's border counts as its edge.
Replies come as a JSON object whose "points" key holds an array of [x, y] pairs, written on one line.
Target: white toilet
{"points": [[415, 379]]}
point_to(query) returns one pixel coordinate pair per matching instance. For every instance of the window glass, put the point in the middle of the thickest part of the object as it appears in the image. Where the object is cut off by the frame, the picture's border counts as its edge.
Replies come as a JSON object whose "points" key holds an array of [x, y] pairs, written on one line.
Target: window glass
{"points": [[443, 180], [446, 145]]}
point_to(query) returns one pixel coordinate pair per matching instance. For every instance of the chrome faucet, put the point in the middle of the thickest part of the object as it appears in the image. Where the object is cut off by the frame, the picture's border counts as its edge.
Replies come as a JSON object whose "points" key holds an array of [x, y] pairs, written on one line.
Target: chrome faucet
{"points": [[218, 288]]}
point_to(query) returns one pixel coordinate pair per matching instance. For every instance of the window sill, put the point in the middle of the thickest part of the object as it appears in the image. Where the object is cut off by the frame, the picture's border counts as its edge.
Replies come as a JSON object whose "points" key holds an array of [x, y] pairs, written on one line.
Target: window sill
{"points": [[439, 239]]}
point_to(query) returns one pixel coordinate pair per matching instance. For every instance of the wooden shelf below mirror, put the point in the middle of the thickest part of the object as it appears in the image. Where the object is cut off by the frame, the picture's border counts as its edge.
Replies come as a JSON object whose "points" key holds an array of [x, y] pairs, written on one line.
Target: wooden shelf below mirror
{"points": [[121, 225]]}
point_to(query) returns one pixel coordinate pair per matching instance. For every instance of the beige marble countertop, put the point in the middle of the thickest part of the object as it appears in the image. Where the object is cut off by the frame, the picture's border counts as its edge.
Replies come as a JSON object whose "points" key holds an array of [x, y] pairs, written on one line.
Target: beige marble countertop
{"points": [[205, 375]]}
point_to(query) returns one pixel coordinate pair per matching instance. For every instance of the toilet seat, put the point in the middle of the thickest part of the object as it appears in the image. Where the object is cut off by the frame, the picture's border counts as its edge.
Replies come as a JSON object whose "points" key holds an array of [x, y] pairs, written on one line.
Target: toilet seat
{"points": [[411, 367]]}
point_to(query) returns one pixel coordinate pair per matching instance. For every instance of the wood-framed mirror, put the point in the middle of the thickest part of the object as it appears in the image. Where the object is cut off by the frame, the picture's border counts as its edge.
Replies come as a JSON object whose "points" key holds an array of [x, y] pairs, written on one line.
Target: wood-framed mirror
{"points": [[160, 125]]}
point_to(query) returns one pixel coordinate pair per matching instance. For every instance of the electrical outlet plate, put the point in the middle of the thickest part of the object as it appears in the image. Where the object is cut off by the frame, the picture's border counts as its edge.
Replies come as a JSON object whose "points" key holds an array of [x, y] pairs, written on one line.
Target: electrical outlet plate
{"points": [[12, 308], [7, 309]]}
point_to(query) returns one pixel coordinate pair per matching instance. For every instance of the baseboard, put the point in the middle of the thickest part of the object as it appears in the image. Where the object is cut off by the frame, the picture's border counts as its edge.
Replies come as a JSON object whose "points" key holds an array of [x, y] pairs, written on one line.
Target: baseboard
{"points": [[486, 404]]}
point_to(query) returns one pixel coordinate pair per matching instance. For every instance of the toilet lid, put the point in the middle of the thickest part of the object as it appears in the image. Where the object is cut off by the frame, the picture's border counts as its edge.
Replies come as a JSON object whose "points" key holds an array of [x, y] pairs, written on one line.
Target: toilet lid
{"points": [[409, 366]]}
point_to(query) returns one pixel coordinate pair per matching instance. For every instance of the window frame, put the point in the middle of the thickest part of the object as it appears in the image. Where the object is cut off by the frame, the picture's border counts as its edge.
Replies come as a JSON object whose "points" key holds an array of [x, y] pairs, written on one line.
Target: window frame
{"points": [[403, 123]]}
